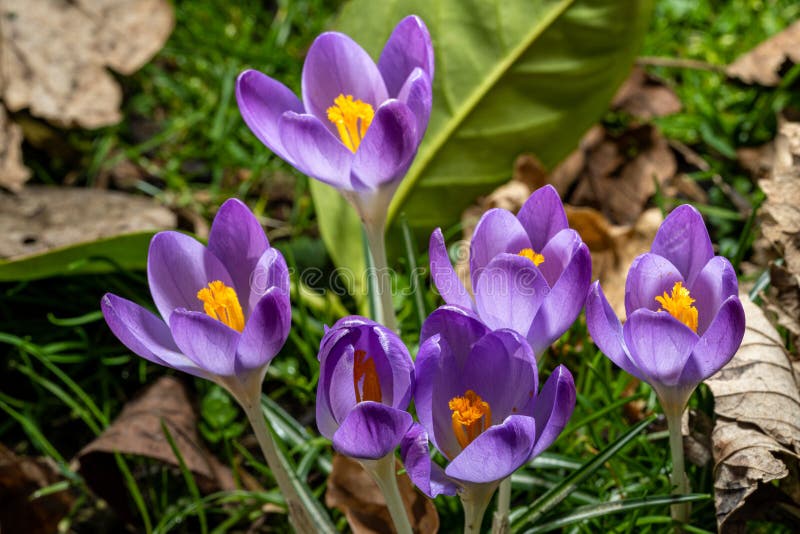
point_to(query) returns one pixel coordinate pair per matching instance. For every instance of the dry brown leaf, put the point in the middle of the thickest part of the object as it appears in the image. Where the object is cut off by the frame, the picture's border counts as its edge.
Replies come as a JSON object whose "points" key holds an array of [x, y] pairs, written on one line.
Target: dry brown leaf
{"points": [[351, 490], [13, 172], [54, 54], [756, 439], [42, 218], [613, 248], [645, 96], [137, 430], [20, 477], [763, 64]]}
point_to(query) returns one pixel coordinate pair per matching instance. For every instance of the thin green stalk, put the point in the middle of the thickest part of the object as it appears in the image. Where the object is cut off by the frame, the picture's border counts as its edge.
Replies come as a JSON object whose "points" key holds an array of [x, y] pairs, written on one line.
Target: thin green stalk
{"points": [[384, 474], [680, 511], [500, 523], [383, 278], [475, 499]]}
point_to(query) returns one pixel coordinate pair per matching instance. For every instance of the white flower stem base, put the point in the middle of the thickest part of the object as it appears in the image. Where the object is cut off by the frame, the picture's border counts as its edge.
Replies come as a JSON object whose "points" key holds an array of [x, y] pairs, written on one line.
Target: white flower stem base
{"points": [[680, 483], [500, 523], [382, 275], [475, 499], [383, 472]]}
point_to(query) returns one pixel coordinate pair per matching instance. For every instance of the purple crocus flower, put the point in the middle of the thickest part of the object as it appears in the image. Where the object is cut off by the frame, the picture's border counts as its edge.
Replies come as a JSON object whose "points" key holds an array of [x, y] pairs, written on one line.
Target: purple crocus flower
{"points": [[224, 308], [359, 124], [529, 272], [477, 401], [365, 385], [685, 320]]}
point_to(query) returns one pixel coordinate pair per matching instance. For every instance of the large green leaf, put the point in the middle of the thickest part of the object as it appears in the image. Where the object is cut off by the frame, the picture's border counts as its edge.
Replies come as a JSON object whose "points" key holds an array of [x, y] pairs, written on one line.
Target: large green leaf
{"points": [[512, 76]]}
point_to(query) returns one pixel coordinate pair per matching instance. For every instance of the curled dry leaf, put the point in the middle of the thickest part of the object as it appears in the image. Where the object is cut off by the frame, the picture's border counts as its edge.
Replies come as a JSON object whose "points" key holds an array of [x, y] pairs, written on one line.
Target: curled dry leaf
{"points": [[137, 430], [54, 54], [20, 477], [645, 96], [756, 438], [764, 64], [42, 218], [13, 172], [352, 490]]}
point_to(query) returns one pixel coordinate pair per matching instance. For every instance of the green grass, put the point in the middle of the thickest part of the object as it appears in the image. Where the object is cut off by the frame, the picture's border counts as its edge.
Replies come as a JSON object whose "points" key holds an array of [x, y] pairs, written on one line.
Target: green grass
{"points": [[64, 376]]}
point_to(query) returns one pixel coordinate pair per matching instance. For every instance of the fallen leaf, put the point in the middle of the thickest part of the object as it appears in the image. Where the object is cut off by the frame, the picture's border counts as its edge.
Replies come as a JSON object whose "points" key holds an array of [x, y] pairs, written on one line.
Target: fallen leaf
{"points": [[54, 55], [13, 172], [764, 64], [756, 438], [645, 96], [137, 430], [613, 248], [352, 490], [42, 218], [20, 477]]}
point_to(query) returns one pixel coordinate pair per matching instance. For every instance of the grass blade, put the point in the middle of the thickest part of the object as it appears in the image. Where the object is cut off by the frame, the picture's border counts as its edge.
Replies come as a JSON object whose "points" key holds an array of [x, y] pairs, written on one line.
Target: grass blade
{"points": [[188, 477]]}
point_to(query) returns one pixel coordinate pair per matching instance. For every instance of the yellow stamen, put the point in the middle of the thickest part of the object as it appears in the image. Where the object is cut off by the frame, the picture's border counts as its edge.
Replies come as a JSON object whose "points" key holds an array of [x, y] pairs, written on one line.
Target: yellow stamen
{"points": [[221, 303], [365, 375], [529, 253], [471, 416], [679, 305], [352, 118]]}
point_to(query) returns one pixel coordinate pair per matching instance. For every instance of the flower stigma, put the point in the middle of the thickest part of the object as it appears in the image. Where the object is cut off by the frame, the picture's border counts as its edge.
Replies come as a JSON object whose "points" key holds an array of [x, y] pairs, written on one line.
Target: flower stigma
{"points": [[679, 305], [352, 118], [471, 416], [365, 378], [529, 253], [221, 303]]}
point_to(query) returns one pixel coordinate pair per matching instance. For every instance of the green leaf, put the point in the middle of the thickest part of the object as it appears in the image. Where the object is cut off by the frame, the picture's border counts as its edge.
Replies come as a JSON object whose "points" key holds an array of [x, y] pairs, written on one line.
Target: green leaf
{"points": [[127, 251], [512, 76]]}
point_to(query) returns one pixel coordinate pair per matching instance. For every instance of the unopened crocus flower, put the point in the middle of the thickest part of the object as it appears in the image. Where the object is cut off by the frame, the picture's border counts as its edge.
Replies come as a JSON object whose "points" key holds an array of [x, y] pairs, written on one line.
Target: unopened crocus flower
{"points": [[224, 309], [359, 124], [365, 386], [529, 272], [684, 322], [477, 401]]}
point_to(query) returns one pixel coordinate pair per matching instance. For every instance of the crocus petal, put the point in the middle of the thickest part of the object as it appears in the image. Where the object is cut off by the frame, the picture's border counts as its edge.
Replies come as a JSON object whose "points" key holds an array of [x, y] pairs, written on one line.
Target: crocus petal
{"points": [[315, 151], [265, 332], [553, 408], [718, 344], [145, 334], [606, 330], [409, 47], [683, 240], [417, 94], [178, 266], [497, 231], [207, 342], [502, 370], [659, 345], [558, 253], [509, 293], [337, 65], [371, 431], [650, 276], [425, 474], [715, 283], [339, 395], [262, 101], [447, 282], [269, 271], [543, 216], [457, 327], [388, 147], [563, 303], [496, 453], [238, 241]]}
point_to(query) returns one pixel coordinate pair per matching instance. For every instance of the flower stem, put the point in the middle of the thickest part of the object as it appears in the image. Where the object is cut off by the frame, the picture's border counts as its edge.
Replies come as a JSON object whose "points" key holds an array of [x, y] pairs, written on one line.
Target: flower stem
{"points": [[305, 514], [680, 512], [384, 474], [500, 523], [475, 499], [382, 276]]}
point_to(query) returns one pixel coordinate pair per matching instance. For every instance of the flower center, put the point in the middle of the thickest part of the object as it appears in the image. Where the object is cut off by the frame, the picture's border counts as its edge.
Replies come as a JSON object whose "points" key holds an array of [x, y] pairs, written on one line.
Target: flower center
{"points": [[471, 416], [365, 378], [529, 253], [221, 303], [679, 305], [352, 118]]}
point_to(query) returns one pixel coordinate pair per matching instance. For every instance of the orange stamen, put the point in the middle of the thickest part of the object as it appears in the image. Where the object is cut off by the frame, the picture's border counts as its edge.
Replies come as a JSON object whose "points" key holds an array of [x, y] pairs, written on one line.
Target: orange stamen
{"points": [[221, 303], [532, 255], [471, 416], [679, 305], [365, 378], [352, 119]]}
